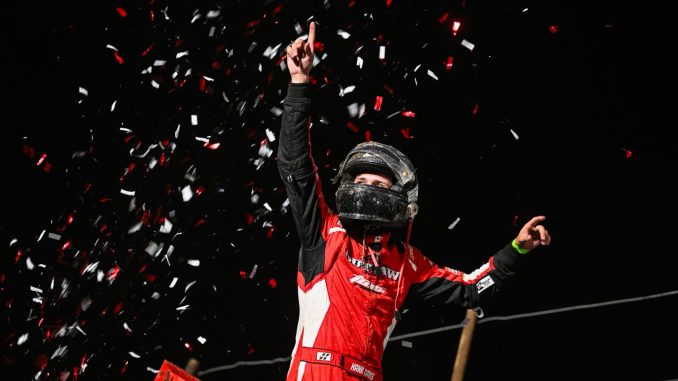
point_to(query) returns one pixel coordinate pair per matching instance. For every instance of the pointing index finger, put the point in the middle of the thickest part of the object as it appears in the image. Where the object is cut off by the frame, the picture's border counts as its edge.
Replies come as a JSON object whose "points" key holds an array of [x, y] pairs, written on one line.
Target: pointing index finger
{"points": [[311, 34], [534, 221]]}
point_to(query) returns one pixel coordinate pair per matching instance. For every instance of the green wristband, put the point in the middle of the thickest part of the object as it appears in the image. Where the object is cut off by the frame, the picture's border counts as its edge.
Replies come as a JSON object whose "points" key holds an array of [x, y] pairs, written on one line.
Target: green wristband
{"points": [[518, 248]]}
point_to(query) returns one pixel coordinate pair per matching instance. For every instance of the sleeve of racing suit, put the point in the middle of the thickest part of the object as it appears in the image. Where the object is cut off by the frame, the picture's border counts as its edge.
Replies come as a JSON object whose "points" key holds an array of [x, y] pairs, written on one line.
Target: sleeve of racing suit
{"points": [[440, 284], [300, 176]]}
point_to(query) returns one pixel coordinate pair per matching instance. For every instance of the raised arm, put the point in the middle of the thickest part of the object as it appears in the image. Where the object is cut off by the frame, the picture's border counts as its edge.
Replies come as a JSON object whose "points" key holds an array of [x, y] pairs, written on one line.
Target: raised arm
{"points": [[295, 162]]}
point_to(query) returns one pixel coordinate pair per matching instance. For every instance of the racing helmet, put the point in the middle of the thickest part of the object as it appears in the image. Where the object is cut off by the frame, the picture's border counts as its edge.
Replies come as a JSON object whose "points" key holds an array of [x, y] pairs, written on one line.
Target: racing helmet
{"points": [[371, 205]]}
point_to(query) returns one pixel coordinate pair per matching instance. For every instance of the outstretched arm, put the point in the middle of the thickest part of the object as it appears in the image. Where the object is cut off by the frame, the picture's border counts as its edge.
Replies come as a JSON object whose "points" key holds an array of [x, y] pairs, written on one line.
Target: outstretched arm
{"points": [[442, 284], [295, 162]]}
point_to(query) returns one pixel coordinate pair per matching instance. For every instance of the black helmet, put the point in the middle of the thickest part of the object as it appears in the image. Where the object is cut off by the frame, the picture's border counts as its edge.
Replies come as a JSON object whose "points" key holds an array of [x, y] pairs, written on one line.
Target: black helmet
{"points": [[374, 205]]}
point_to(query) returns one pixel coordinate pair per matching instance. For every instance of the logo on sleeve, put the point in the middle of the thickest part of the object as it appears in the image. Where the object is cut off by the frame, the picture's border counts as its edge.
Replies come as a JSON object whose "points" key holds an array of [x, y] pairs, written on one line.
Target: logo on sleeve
{"points": [[484, 283], [323, 356]]}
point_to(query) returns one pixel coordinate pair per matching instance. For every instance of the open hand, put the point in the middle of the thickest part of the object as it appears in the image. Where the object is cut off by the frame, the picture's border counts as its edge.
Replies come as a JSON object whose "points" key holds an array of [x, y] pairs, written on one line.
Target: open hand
{"points": [[533, 234], [300, 56]]}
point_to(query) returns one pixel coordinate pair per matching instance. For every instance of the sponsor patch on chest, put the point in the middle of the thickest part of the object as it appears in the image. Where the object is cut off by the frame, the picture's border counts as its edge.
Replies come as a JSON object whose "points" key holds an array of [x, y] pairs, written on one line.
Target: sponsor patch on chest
{"points": [[366, 284]]}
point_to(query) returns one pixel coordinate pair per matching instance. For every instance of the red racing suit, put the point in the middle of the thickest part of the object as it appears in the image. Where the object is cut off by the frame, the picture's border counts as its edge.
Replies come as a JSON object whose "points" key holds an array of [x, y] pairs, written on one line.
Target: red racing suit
{"points": [[347, 304]]}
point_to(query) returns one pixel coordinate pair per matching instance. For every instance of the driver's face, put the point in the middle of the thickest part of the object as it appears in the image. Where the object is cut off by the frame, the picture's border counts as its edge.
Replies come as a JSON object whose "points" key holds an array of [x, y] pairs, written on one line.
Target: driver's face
{"points": [[373, 179]]}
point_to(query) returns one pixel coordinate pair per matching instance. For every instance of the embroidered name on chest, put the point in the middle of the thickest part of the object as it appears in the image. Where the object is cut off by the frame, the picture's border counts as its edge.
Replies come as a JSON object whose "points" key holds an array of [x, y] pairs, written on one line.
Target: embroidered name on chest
{"points": [[370, 268]]}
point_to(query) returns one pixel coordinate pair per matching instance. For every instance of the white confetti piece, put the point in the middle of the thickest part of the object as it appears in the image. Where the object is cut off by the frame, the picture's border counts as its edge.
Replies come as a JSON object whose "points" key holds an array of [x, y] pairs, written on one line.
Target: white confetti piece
{"points": [[29, 263], [213, 14], [113, 105], [109, 46], [382, 52], [136, 356], [183, 308], [344, 34], [467, 44], [194, 119], [159, 63], [253, 272], [353, 109], [454, 223], [54, 236], [515, 136], [181, 54], [202, 340], [127, 193], [186, 193], [432, 75], [166, 227], [35, 289], [174, 282], [127, 327], [270, 135], [189, 285], [194, 262], [155, 84], [22, 339], [407, 344], [265, 150], [359, 62], [83, 91], [135, 228]]}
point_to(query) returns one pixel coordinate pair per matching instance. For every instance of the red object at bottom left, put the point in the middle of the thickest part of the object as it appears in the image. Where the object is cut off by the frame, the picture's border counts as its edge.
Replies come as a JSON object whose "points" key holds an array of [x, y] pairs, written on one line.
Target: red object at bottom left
{"points": [[170, 372]]}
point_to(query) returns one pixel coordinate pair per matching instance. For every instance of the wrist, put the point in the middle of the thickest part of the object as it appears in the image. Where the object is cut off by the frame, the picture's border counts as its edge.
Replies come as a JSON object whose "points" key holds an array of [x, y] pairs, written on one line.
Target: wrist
{"points": [[518, 249]]}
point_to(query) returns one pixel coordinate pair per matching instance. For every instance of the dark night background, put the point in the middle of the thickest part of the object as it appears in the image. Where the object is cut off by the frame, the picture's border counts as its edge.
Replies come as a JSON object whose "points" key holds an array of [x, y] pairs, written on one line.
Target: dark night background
{"points": [[99, 283]]}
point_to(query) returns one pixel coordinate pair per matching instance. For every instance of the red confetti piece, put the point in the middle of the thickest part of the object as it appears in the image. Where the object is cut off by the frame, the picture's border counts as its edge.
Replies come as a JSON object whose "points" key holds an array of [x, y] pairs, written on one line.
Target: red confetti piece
{"points": [[475, 109], [352, 126], [19, 253], [273, 283], [42, 158], [450, 62], [152, 16], [554, 29], [112, 274], [47, 167], [117, 57], [377, 103], [211, 146], [124, 367], [250, 218], [203, 84], [368, 135], [118, 308], [199, 190], [455, 27], [121, 12], [66, 245], [147, 50], [628, 153], [515, 220], [406, 133], [243, 274], [443, 18], [408, 114], [29, 151], [188, 346], [270, 232]]}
